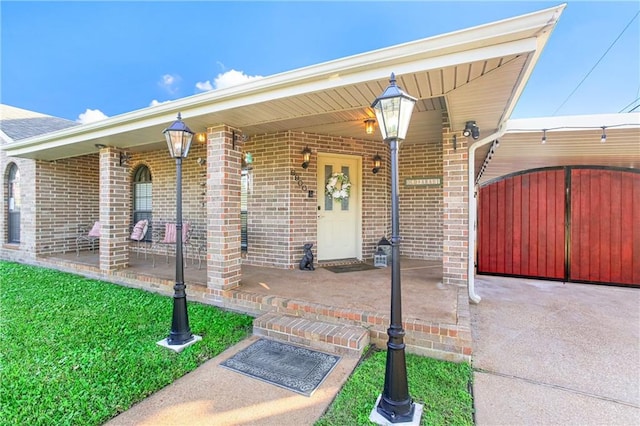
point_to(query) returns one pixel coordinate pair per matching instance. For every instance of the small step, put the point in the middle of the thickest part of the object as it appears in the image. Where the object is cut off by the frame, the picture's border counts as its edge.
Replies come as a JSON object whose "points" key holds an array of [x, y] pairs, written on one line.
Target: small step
{"points": [[339, 339]]}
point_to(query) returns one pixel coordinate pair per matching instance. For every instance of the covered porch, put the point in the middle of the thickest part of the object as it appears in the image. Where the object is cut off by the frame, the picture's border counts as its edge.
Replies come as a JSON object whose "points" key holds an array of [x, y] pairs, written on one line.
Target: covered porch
{"points": [[267, 148]]}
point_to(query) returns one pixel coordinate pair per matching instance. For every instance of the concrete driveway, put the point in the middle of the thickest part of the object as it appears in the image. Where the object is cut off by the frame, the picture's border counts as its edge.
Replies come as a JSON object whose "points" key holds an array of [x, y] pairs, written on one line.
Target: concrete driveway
{"points": [[549, 353]]}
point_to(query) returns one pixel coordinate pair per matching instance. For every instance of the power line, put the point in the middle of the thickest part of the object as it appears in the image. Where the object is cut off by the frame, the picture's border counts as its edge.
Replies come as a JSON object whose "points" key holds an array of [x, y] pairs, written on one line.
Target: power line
{"points": [[596, 64], [630, 103]]}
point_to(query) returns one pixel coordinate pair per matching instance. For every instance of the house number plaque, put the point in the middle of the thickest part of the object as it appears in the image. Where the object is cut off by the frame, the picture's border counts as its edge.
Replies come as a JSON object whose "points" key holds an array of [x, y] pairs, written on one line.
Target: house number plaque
{"points": [[423, 181], [298, 179]]}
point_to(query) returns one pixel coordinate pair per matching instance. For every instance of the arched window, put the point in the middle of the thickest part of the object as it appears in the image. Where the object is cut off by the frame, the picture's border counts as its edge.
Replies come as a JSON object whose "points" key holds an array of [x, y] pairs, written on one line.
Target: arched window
{"points": [[13, 204], [142, 197]]}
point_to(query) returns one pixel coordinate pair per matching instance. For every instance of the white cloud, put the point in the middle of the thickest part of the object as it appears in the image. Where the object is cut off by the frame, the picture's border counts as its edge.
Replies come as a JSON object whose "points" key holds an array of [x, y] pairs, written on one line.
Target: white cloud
{"points": [[204, 86], [233, 78], [157, 102], [91, 115], [226, 79], [168, 79], [170, 83]]}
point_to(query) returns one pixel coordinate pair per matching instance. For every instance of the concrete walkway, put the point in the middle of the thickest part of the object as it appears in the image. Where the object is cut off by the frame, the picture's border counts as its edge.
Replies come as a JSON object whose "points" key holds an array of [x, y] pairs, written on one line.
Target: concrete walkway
{"points": [[548, 353], [214, 395], [545, 353]]}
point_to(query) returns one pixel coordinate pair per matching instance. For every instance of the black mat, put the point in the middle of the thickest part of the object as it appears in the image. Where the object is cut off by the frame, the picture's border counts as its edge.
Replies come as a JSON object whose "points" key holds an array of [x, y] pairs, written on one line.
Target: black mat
{"points": [[290, 367], [353, 267]]}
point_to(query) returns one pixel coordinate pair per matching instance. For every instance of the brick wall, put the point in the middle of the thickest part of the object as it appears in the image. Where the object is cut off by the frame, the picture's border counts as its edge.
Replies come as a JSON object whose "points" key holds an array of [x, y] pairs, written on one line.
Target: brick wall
{"points": [[67, 196], [282, 217], [268, 215], [421, 206]]}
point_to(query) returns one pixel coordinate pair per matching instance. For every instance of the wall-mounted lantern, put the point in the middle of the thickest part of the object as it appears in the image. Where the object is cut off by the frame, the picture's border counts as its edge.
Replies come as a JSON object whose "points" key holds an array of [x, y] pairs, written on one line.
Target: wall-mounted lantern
{"points": [[377, 163], [306, 157], [124, 159]]}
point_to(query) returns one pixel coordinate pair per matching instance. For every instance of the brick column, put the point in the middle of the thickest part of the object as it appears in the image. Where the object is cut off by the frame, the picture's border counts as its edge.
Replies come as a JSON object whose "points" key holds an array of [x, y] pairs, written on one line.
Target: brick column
{"points": [[455, 245], [223, 211], [115, 208], [28, 226]]}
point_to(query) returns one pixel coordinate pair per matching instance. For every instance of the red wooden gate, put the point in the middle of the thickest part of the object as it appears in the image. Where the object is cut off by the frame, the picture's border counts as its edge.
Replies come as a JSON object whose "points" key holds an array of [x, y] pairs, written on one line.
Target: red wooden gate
{"points": [[521, 225], [605, 226], [522, 232]]}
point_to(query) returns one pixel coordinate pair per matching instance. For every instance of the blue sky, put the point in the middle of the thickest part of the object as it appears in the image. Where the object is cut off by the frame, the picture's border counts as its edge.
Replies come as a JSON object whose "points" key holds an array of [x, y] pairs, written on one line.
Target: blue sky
{"points": [[82, 60]]}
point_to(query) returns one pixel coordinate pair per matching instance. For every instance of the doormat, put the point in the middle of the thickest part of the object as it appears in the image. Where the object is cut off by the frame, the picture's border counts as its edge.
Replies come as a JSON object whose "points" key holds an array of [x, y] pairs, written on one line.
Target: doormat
{"points": [[290, 367], [353, 267]]}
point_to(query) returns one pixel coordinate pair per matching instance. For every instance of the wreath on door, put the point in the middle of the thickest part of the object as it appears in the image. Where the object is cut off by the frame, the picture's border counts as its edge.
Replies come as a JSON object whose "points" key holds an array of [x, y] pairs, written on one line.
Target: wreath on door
{"points": [[338, 186]]}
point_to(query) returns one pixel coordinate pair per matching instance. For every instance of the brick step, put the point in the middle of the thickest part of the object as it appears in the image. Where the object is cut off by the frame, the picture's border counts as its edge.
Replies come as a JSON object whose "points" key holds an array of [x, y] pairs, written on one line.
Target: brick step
{"points": [[339, 339]]}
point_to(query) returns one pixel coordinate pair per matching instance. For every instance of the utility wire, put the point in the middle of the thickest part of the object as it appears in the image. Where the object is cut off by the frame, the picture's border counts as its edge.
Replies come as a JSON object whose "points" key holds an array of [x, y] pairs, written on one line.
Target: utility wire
{"points": [[596, 64], [630, 103]]}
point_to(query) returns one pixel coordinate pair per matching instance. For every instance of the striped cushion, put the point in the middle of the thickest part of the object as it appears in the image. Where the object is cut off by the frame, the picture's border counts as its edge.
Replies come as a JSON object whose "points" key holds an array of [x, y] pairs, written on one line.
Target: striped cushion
{"points": [[140, 230], [170, 233]]}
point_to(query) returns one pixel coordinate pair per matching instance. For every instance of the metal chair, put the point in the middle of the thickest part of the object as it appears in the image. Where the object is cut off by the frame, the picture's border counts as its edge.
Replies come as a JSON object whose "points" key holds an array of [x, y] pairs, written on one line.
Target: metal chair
{"points": [[168, 240], [138, 233], [88, 235]]}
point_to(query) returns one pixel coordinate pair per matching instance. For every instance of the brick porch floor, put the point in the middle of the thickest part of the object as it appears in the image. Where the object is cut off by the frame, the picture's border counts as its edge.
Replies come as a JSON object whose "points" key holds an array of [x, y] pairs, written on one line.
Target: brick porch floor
{"points": [[436, 317]]}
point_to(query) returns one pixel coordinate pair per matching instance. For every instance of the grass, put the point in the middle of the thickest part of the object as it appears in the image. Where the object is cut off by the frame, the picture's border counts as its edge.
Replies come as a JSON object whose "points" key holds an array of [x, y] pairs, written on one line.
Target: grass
{"points": [[80, 351], [442, 387]]}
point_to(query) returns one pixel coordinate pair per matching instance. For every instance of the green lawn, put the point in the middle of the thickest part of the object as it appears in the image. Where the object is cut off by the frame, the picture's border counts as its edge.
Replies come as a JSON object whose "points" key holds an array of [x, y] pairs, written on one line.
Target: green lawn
{"points": [[442, 387], [79, 351]]}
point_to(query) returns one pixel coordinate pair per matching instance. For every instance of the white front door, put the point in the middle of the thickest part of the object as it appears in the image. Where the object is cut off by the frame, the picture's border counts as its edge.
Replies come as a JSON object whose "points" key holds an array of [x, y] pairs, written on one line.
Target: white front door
{"points": [[339, 221]]}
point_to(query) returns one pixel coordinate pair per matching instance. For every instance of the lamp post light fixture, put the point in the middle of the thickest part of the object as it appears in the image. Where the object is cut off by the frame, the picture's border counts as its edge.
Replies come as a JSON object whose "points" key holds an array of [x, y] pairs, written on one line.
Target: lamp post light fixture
{"points": [[393, 110], [179, 138]]}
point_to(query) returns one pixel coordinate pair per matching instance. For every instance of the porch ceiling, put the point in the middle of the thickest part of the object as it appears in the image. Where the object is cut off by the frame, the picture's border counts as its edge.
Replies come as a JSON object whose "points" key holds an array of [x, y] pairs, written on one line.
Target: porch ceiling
{"points": [[338, 111], [570, 141], [474, 74]]}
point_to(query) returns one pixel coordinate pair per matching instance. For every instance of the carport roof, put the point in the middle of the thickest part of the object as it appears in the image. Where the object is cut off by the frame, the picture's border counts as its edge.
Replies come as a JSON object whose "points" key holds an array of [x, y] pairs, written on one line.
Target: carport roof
{"points": [[570, 141], [473, 74]]}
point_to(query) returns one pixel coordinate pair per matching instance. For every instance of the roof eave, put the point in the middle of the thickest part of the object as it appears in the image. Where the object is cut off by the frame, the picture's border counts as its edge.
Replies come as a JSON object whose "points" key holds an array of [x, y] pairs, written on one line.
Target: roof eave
{"points": [[362, 67]]}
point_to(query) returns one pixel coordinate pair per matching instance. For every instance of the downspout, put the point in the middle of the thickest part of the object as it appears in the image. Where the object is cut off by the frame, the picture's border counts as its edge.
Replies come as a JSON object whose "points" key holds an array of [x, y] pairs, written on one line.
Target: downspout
{"points": [[473, 296]]}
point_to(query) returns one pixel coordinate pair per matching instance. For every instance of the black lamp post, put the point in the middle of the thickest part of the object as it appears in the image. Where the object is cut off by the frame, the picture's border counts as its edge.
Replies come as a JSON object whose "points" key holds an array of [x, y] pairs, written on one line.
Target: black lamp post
{"points": [[393, 109], [179, 140]]}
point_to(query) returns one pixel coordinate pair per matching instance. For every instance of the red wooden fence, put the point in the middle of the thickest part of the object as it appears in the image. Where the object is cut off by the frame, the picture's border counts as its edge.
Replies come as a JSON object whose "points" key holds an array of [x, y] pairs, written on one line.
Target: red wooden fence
{"points": [[605, 226], [521, 226]]}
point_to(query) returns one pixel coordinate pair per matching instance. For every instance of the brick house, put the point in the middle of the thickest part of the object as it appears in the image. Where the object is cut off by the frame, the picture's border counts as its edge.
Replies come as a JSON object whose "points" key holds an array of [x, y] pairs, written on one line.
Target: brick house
{"points": [[67, 175]]}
